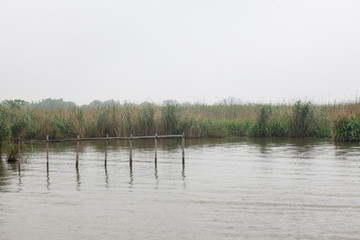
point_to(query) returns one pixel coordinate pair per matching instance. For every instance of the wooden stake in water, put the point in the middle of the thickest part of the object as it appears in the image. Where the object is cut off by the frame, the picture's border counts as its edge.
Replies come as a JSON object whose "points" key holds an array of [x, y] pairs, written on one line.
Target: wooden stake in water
{"points": [[183, 148], [156, 148], [19, 153], [47, 151], [130, 148], [106, 146], [19, 148], [77, 151]]}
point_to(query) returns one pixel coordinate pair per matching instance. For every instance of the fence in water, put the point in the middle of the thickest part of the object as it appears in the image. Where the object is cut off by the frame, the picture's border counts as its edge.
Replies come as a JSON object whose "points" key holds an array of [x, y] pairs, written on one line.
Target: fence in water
{"points": [[106, 139]]}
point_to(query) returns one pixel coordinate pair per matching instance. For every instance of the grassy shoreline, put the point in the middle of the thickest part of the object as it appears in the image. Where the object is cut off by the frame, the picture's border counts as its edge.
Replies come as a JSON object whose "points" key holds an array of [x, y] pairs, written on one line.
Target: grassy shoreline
{"points": [[341, 122]]}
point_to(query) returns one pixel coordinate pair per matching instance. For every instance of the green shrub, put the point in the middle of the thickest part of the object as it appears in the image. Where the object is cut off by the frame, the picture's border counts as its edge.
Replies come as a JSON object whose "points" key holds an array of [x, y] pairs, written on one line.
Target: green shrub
{"points": [[322, 124], [234, 128], [302, 120], [278, 127], [246, 127], [260, 129], [211, 128], [347, 129]]}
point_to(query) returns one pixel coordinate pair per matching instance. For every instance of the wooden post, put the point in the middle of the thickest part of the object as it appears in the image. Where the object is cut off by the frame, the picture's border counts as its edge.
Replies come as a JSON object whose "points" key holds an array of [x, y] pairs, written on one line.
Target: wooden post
{"points": [[106, 146], [19, 153], [47, 152], [130, 148], [156, 148], [19, 149], [77, 151], [183, 148]]}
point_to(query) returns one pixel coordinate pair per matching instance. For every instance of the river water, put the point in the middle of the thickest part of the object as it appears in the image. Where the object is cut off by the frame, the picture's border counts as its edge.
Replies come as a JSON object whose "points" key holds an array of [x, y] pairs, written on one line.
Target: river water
{"points": [[228, 189]]}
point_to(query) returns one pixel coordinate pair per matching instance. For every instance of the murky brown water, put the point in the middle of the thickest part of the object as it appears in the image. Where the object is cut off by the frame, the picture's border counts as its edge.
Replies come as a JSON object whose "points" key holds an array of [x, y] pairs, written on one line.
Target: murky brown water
{"points": [[229, 189]]}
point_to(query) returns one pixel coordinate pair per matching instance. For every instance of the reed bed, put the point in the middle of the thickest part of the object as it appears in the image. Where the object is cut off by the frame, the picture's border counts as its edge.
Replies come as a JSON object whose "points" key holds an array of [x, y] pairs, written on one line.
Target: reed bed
{"points": [[341, 122]]}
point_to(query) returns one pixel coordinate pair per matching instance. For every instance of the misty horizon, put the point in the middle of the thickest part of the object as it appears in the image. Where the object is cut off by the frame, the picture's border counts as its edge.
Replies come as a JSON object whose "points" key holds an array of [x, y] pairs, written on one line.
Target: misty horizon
{"points": [[190, 51]]}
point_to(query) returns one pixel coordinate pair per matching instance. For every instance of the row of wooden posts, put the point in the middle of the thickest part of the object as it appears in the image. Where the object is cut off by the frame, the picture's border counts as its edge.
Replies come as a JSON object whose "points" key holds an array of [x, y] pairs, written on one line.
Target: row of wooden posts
{"points": [[106, 139]]}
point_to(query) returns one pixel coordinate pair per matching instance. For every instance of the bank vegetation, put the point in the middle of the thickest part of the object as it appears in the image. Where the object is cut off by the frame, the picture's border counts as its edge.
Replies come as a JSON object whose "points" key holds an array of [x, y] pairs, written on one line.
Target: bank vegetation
{"points": [[18, 119]]}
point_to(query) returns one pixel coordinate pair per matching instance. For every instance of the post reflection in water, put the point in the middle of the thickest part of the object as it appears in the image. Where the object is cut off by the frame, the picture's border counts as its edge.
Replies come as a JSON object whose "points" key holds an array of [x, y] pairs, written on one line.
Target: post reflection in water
{"points": [[106, 178], [131, 177], [17, 165], [78, 182], [156, 177], [48, 179], [183, 175]]}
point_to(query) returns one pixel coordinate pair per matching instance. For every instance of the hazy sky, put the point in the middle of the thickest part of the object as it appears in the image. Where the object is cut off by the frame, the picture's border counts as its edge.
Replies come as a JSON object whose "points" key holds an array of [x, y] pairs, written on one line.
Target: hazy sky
{"points": [[188, 50]]}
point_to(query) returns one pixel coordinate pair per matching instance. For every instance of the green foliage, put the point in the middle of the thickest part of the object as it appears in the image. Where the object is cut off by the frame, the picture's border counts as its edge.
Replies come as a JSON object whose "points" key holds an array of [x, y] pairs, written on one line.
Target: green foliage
{"points": [[302, 119], [234, 128], [5, 132], [322, 124], [224, 128], [260, 129], [15, 124], [347, 129], [14, 104], [104, 120], [170, 114], [53, 104], [216, 128], [62, 128], [190, 126], [126, 121], [32, 128], [278, 127], [18, 119], [247, 128], [146, 119], [78, 122], [24, 124], [102, 125]]}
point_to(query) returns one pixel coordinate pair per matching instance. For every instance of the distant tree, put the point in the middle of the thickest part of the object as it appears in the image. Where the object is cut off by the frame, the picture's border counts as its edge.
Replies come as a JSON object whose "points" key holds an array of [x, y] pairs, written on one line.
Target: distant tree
{"points": [[100, 104], [231, 101], [95, 104], [50, 103], [111, 103], [15, 104], [170, 102]]}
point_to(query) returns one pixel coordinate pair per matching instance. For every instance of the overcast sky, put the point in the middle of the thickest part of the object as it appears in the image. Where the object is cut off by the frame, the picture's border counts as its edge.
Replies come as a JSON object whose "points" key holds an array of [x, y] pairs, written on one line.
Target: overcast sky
{"points": [[188, 50]]}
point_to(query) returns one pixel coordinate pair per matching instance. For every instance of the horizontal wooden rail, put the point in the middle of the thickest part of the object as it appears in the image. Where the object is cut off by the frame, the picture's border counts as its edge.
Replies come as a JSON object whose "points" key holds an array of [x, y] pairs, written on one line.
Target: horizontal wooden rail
{"points": [[101, 138]]}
